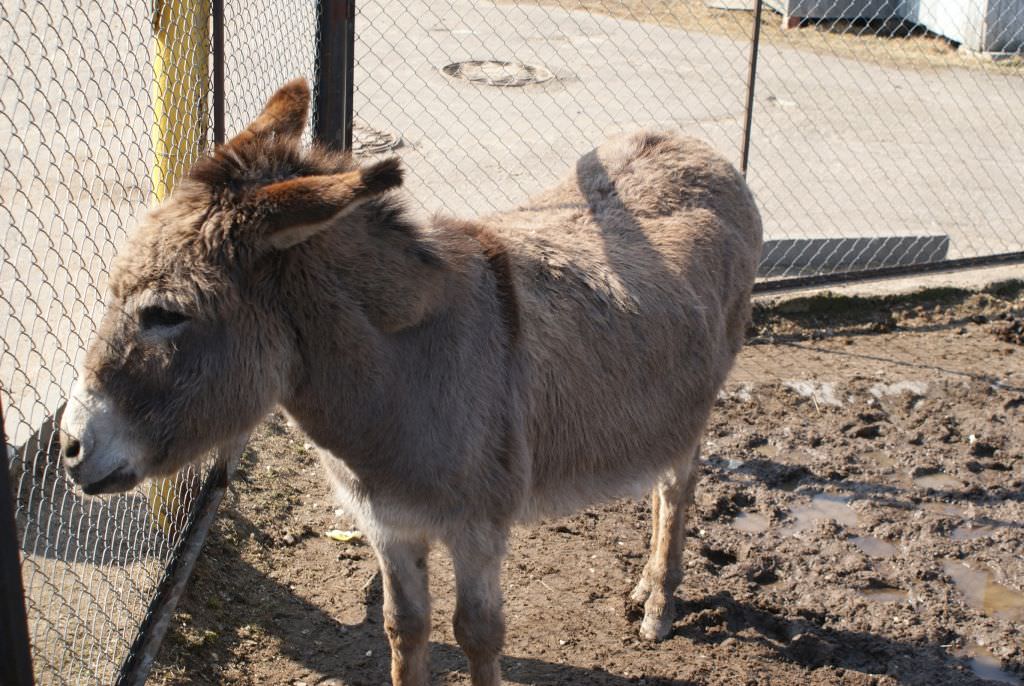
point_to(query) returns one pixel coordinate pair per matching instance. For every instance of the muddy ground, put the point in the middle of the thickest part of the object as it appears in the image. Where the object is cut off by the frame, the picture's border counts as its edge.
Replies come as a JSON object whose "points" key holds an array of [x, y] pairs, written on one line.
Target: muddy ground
{"points": [[860, 520]]}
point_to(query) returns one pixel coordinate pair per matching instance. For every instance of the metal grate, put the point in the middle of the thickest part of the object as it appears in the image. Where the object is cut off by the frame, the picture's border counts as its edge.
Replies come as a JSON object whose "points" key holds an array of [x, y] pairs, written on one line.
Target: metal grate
{"points": [[494, 73]]}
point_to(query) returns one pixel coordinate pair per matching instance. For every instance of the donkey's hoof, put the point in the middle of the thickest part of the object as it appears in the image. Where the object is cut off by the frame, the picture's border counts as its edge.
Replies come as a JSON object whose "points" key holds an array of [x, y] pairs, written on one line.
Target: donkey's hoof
{"points": [[656, 627]]}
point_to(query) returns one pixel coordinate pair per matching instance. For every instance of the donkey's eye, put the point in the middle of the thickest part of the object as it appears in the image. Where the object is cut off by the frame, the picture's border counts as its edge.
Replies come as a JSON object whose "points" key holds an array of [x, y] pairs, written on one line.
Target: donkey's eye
{"points": [[152, 317]]}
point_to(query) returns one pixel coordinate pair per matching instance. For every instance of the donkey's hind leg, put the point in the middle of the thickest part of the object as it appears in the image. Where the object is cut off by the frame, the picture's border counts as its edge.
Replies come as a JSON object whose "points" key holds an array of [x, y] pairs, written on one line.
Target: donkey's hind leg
{"points": [[642, 590], [670, 502]]}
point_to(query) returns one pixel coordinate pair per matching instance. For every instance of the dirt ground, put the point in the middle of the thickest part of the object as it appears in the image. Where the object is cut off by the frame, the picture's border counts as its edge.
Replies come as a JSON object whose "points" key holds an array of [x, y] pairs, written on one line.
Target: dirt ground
{"points": [[860, 520], [886, 41]]}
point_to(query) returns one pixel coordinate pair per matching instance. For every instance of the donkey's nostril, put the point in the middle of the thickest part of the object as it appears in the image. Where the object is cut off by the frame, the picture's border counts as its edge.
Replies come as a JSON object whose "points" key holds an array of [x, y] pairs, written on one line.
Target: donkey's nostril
{"points": [[71, 448]]}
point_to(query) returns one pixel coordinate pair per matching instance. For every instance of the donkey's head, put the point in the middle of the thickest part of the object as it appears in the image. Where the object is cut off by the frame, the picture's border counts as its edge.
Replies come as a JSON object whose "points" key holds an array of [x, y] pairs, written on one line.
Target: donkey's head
{"points": [[194, 348]]}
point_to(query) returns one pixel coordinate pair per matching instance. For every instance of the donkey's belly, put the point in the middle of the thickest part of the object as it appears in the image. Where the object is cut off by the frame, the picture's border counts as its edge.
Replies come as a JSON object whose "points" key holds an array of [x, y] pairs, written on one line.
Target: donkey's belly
{"points": [[387, 512], [571, 493], [599, 433]]}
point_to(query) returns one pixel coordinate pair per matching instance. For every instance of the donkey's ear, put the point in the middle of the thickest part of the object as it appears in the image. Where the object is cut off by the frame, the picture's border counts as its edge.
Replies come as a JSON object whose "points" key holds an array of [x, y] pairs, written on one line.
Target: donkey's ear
{"points": [[296, 209], [283, 115]]}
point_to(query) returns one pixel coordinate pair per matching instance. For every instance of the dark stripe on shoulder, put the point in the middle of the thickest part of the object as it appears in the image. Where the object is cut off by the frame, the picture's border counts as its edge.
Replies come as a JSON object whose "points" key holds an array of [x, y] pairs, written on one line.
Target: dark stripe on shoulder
{"points": [[501, 265]]}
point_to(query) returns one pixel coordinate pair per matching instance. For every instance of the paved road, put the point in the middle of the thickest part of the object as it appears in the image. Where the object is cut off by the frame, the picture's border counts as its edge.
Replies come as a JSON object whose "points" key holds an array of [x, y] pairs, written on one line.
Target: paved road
{"points": [[840, 148]]}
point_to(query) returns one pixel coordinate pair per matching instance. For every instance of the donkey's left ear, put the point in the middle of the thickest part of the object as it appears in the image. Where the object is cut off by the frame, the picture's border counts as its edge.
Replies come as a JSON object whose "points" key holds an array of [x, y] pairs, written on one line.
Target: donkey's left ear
{"points": [[298, 208], [283, 115]]}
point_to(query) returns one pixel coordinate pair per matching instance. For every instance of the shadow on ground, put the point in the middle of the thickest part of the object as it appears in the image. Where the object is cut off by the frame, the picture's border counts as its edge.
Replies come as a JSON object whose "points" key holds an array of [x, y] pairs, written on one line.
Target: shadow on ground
{"points": [[268, 612]]}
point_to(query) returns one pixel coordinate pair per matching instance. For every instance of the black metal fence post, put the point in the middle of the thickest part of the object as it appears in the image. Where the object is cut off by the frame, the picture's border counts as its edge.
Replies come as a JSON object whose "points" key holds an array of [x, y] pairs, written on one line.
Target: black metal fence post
{"points": [[15, 655], [335, 63], [218, 71], [748, 122]]}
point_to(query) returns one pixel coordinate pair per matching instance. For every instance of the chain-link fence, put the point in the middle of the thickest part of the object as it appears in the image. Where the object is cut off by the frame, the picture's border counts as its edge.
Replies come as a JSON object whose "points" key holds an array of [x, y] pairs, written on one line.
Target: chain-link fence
{"points": [[103, 105], [874, 142]]}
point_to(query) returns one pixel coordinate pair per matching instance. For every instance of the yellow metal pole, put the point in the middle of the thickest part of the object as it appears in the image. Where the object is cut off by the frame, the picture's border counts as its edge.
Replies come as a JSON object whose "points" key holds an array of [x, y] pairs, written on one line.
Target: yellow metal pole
{"points": [[181, 50], [181, 55]]}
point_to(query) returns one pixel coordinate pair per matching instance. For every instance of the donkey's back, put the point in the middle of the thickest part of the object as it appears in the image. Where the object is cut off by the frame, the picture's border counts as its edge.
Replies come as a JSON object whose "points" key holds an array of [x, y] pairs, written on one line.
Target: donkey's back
{"points": [[634, 278]]}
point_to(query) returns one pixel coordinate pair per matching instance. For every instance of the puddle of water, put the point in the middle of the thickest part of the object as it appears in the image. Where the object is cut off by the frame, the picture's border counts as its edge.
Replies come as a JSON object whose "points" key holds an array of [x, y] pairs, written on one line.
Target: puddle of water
{"points": [[985, 665], [823, 506], [969, 532], [885, 594], [879, 458], [875, 547], [984, 594], [943, 509], [939, 481], [750, 522]]}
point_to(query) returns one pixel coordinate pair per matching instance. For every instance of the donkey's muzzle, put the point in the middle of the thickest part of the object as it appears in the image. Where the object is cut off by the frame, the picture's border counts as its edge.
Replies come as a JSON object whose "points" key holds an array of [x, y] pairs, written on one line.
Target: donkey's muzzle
{"points": [[95, 447], [74, 459], [118, 481]]}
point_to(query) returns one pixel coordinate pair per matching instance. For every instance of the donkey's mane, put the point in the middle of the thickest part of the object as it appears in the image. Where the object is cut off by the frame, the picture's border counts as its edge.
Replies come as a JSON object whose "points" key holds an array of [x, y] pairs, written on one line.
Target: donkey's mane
{"points": [[266, 159], [231, 172]]}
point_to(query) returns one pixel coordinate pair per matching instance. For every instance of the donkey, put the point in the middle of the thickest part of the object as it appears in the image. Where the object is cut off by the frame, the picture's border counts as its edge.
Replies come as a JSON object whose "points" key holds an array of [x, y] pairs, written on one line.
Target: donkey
{"points": [[457, 376]]}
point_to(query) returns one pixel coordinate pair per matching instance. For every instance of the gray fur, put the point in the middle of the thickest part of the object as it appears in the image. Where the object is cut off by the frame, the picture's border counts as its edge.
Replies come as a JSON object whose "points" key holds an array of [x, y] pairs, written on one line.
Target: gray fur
{"points": [[457, 376]]}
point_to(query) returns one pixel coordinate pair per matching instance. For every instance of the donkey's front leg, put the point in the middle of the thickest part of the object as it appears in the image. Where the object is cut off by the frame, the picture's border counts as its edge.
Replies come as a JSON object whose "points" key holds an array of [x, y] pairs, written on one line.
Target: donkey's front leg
{"points": [[479, 623], [403, 567]]}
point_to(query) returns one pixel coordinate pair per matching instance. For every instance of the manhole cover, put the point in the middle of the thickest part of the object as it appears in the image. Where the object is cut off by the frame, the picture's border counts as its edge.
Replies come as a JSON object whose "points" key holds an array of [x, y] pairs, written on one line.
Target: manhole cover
{"points": [[369, 141], [494, 73]]}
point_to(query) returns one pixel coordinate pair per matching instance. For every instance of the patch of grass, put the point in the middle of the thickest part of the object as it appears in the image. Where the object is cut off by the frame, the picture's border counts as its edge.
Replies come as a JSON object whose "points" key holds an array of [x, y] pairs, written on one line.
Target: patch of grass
{"points": [[190, 636]]}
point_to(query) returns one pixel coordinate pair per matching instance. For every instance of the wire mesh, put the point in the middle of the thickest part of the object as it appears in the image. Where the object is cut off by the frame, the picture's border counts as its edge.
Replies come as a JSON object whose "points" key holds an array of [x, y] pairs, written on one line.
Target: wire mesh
{"points": [[875, 142], [266, 43], [103, 105], [901, 137]]}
